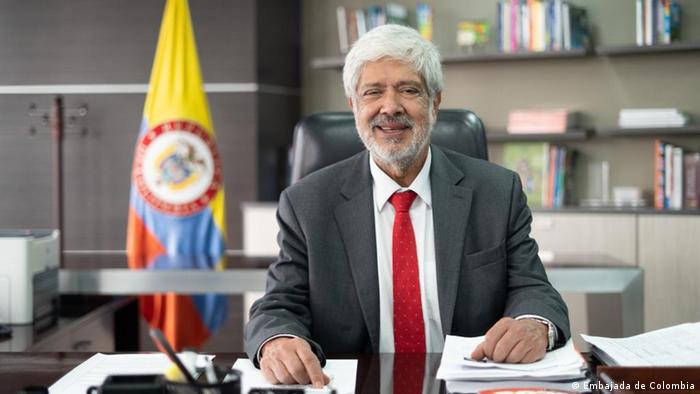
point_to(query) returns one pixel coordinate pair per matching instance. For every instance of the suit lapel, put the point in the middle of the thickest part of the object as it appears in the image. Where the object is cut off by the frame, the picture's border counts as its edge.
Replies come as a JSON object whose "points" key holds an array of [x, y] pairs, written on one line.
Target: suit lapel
{"points": [[355, 218], [451, 207]]}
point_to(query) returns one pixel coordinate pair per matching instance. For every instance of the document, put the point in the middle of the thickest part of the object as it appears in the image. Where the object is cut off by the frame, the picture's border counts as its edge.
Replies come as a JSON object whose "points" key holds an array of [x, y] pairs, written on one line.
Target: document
{"points": [[93, 371], [674, 346], [341, 372], [475, 386], [562, 364]]}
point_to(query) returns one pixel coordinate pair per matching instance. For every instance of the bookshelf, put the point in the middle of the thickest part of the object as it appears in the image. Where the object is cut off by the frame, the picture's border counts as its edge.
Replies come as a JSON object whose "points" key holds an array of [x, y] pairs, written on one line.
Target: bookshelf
{"points": [[598, 82], [336, 62], [615, 74], [621, 50], [689, 131], [569, 135]]}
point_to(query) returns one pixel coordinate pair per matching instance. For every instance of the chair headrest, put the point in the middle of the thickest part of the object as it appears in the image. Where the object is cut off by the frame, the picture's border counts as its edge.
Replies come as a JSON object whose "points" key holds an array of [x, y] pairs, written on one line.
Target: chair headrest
{"points": [[322, 139]]}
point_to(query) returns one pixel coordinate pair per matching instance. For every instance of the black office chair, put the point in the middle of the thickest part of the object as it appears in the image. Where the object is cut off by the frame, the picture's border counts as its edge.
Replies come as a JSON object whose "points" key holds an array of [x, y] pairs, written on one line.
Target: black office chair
{"points": [[322, 139]]}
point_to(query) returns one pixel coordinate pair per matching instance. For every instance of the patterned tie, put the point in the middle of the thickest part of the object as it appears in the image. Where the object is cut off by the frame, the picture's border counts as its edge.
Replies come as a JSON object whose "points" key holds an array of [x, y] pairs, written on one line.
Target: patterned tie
{"points": [[409, 332]]}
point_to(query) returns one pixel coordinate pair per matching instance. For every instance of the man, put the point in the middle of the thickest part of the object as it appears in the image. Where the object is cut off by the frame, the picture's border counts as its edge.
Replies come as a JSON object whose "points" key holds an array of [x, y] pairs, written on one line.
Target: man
{"points": [[400, 245]]}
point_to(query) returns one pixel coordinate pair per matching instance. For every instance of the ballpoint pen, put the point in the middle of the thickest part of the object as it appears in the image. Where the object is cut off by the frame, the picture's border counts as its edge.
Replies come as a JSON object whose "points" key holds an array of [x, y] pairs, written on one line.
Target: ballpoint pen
{"points": [[210, 372], [164, 346]]}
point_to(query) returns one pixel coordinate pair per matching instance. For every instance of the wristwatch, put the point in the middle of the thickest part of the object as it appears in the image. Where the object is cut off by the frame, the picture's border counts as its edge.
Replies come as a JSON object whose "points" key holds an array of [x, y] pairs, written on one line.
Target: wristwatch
{"points": [[551, 333]]}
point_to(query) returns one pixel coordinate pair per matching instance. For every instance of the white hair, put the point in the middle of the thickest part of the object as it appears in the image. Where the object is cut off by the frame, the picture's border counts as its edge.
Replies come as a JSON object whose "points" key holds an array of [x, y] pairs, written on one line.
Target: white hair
{"points": [[394, 42]]}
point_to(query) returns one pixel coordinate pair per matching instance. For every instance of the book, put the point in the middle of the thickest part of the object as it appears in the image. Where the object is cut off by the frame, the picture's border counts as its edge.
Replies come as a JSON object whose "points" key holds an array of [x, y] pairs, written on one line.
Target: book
{"points": [[360, 19], [531, 162], [691, 191], [396, 14], [668, 174], [677, 182], [577, 30], [639, 22], [344, 44], [352, 25], [424, 20], [659, 173], [648, 22], [657, 21], [534, 121], [652, 117], [675, 20], [376, 16]]}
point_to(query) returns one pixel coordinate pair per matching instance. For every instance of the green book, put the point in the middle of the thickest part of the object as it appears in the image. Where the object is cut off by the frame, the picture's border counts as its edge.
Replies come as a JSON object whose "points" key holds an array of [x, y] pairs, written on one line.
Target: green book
{"points": [[531, 161]]}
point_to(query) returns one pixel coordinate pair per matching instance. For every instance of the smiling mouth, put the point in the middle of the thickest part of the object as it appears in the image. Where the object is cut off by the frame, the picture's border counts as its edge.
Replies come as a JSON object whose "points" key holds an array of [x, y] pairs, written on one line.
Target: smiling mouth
{"points": [[392, 129]]}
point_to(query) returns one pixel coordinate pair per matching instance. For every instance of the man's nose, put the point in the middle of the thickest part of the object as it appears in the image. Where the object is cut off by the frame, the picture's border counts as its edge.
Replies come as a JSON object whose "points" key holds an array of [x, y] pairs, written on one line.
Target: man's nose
{"points": [[391, 104]]}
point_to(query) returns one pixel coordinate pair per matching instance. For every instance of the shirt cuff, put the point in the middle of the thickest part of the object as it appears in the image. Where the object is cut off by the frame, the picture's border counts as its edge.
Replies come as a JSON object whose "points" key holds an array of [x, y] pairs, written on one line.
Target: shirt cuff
{"points": [[258, 355], [552, 332]]}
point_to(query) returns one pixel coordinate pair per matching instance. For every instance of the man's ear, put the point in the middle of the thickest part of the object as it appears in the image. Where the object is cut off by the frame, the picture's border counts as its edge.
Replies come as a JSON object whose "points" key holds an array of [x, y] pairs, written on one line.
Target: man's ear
{"points": [[436, 101], [350, 104]]}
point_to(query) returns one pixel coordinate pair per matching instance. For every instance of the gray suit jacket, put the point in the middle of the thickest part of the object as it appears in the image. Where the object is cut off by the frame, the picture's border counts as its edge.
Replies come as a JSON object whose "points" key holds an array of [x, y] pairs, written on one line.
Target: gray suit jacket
{"points": [[324, 286]]}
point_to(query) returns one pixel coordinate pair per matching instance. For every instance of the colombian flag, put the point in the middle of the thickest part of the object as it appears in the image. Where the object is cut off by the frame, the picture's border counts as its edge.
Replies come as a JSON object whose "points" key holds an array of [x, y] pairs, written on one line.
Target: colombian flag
{"points": [[176, 212]]}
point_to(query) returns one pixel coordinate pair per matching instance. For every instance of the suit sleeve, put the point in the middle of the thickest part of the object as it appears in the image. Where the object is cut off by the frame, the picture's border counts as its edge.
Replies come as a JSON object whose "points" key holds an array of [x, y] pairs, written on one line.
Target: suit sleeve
{"points": [[284, 309], [529, 290]]}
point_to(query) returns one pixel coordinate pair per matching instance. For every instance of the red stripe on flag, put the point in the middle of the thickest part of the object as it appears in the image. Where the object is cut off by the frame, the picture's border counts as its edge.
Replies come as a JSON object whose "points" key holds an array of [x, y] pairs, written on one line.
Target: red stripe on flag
{"points": [[142, 246], [178, 318], [175, 314]]}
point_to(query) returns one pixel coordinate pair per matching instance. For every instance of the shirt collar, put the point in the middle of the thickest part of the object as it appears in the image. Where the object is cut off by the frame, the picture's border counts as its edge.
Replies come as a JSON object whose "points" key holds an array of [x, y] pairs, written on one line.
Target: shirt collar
{"points": [[384, 186]]}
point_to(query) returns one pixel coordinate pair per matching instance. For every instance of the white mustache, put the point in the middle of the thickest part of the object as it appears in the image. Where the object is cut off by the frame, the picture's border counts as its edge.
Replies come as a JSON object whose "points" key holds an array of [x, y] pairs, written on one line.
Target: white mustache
{"points": [[404, 120]]}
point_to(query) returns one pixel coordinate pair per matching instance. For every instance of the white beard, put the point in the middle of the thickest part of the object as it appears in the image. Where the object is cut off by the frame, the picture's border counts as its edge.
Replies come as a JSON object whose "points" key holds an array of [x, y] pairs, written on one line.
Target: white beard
{"points": [[394, 156]]}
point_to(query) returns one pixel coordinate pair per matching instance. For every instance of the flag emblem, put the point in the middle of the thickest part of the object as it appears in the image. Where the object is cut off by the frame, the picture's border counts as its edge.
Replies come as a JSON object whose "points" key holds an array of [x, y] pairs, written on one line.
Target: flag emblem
{"points": [[177, 168]]}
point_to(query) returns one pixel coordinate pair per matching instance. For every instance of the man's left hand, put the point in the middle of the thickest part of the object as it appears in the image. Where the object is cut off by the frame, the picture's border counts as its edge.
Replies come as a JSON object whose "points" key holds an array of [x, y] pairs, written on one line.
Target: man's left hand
{"points": [[513, 341]]}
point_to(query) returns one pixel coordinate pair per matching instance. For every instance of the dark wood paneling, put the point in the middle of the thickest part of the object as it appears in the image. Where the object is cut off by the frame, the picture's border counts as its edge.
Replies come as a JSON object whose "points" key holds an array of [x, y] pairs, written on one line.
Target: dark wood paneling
{"points": [[274, 139], [105, 41], [278, 42], [97, 166], [25, 167], [100, 41]]}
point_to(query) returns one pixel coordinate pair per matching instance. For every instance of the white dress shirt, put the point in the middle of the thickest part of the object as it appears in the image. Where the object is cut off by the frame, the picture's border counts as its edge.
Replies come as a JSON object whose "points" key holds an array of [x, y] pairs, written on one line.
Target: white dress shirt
{"points": [[421, 213]]}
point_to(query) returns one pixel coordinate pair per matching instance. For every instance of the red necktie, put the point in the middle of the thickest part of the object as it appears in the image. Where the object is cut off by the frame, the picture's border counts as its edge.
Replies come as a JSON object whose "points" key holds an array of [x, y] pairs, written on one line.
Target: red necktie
{"points": [[409, 332]]}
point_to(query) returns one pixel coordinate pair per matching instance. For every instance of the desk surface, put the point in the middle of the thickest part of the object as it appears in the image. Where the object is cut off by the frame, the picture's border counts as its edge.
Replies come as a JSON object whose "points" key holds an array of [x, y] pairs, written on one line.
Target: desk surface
{"points": [[18, 370]]}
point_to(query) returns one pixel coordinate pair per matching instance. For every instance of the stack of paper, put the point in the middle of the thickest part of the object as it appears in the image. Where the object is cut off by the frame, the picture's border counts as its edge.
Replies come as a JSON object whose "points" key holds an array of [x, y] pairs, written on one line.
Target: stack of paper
{"points": [[668, 347], [652, 117], [563, 369], [341, 372]]}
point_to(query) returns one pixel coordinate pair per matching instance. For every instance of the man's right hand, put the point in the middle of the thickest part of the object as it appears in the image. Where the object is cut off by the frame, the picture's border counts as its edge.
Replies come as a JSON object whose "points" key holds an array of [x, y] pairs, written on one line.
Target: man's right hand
{"points": [[290, 361]]}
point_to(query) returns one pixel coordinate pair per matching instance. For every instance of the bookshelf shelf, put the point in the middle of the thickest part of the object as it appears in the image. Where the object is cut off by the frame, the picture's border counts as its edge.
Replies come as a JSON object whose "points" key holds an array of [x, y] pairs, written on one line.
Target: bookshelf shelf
{"points": [[650, 132], [331, 62], [570, 135], [336, 62], [621, 50], [498, 56]]}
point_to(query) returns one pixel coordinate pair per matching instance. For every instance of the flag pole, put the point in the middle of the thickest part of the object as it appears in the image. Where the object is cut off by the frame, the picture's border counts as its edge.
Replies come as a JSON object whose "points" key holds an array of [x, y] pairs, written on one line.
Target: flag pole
{"points": [[57, 137]]}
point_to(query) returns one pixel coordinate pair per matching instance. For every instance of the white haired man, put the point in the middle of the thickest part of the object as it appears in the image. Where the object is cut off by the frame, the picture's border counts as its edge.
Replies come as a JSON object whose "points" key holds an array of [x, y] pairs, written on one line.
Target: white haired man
{"points": [[402, 244]]}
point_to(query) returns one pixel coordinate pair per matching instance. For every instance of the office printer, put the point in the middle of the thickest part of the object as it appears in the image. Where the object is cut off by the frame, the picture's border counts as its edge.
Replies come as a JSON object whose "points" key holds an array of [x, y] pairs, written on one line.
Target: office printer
{"points": [[29, 277]]}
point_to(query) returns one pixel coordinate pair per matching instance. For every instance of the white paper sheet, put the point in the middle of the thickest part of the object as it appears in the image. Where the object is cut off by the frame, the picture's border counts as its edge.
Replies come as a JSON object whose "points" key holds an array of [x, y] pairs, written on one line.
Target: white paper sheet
{"points": [[341, 372], [473, 386], [564, 356], [558, 365], [93, 371], [668, 347]]}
